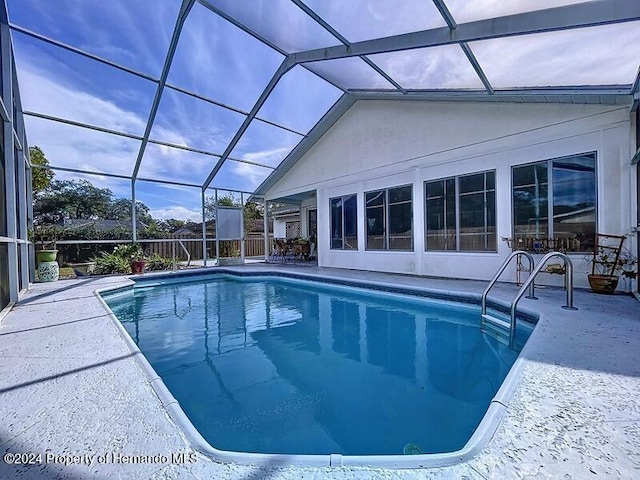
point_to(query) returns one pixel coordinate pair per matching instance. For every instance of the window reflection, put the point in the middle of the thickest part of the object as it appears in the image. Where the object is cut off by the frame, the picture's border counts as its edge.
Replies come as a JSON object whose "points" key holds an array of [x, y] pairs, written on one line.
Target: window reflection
{"points": [[562, 189], [344, 222], [389, 218], [460, 213]]}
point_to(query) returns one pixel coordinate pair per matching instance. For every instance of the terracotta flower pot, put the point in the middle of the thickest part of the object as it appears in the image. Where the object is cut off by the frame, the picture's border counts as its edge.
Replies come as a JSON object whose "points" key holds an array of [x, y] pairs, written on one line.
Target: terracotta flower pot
{"points": [[603, 283], [137, 266]]}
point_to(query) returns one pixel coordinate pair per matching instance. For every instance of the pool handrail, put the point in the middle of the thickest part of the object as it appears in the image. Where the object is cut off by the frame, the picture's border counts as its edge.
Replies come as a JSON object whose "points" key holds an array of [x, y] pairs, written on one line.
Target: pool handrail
{"points": [[517, 253], [568, 286]]}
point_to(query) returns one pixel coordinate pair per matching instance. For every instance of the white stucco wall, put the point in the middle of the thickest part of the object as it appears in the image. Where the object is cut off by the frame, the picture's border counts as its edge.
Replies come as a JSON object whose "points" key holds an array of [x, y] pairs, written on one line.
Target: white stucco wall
{"points": [[379, 144]]}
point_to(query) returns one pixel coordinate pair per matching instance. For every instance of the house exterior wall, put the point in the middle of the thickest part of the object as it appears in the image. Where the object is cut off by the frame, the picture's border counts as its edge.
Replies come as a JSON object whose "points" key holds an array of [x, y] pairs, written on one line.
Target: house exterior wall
{"points": [[379, 144], [280, 224]]}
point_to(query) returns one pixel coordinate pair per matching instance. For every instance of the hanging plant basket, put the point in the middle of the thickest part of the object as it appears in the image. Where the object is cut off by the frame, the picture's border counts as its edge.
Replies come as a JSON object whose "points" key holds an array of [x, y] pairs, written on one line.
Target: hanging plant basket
{"points": [[603, 283]]}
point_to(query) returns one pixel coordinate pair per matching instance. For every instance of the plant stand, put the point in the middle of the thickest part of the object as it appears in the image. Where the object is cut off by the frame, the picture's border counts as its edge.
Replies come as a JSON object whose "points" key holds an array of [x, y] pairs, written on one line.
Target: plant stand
{"points": [[48, 268], [606, 254], [48, 271]]}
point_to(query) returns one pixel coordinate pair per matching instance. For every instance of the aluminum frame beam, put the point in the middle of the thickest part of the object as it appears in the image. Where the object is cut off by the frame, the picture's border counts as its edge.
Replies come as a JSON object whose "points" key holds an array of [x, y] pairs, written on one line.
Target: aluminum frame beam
{"points": [[284, 67], [612, 95], [185, 8], [338, 109], [451, 23], [56, 43], [324, 24], [150, 78], [10, 164], [228, 107], [115, 175], [260, 38], [139, 138], [589, 14], [476, 66]]}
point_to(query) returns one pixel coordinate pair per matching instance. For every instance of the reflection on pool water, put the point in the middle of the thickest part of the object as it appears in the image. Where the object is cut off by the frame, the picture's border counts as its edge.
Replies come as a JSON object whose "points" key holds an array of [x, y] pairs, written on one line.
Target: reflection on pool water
{"points": [[274, 365]]}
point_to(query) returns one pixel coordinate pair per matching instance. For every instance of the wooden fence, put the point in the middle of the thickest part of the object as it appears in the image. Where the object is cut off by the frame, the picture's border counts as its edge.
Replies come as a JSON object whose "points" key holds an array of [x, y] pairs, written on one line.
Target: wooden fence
{"points": [[85, 250], [254, 247]]}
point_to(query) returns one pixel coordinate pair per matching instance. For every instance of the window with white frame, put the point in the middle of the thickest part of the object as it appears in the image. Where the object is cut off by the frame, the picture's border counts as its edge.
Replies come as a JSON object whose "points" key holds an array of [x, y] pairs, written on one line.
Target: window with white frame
{"points": [[461, 213], [554, 204], [344, 222], [389, 218]]}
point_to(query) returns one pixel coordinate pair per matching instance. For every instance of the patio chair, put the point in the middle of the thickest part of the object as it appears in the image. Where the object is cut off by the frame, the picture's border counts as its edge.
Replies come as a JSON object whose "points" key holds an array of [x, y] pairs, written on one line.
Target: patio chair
{"points": [[279, 249]]}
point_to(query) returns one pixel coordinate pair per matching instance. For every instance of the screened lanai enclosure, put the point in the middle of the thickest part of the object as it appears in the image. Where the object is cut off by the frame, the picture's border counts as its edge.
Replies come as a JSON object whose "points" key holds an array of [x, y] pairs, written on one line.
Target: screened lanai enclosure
{"points": [[173, 115]]}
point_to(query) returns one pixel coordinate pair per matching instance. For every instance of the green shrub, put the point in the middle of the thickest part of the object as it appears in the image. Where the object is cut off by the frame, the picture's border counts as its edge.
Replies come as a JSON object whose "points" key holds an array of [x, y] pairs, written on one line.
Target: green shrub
{"points": [[156, 262], [109, 263], [120, 260], [130, 251]]}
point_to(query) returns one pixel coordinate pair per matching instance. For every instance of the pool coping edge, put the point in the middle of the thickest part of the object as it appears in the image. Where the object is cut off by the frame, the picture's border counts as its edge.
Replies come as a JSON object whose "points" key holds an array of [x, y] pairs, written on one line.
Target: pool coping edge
{"points": [[481, 436]]}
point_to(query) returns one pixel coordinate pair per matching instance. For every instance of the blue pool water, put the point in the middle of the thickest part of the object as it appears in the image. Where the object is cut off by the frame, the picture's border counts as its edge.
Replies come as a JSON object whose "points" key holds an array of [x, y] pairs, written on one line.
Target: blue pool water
{"points": [[288, 366]]}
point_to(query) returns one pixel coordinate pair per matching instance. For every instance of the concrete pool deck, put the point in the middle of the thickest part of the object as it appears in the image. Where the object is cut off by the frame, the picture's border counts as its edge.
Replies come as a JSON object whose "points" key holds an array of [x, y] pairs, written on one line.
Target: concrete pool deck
{"points": [[70, 386]]}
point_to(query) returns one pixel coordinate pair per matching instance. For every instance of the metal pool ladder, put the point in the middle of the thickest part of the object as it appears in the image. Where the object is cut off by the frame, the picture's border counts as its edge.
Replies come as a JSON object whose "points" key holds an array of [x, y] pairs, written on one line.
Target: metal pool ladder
{"points": [[528, 284]]}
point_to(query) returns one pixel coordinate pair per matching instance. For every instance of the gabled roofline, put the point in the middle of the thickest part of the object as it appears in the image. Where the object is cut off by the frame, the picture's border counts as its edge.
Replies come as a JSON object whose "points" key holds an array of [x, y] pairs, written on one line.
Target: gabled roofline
{"points": [[607, 95], [326, 122]]}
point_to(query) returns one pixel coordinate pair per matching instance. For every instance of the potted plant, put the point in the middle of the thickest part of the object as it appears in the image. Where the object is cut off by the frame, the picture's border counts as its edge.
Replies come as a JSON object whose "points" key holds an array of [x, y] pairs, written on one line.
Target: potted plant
{"points": [[229, 253], [629, 268], [302, 248], [44, 239], [134, 253]]}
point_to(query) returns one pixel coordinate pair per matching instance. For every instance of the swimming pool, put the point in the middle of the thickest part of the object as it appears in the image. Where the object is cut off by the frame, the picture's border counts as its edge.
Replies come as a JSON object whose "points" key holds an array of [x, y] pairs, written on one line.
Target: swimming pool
{"points": [[288, 366]]}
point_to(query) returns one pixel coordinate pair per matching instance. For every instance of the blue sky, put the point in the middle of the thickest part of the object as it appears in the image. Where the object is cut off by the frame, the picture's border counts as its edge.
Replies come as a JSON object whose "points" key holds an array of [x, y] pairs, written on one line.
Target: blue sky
{"points": [[217, 60]]}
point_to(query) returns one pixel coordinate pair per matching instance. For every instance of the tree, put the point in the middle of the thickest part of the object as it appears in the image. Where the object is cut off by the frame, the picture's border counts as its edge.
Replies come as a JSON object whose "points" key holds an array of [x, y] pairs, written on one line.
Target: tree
{"points": [[40, 177], [251, 211], [223, 201], [170, 225], [120, 209], [67, 199]]}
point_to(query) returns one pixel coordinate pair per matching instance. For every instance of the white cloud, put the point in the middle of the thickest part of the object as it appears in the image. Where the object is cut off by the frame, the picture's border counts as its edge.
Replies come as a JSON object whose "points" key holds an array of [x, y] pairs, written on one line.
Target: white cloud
{"points": [[267, 157], [252, 176], [179, 213], [467, 11], [589, 56], [435, 67], [85, 149], [168, 136], [130, 33], [42, 92], [365, 19], [78, 148]]}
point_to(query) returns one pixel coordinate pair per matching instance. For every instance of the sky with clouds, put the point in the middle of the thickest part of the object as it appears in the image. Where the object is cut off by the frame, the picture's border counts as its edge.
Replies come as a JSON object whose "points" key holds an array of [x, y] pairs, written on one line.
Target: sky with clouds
{"points": [[216, 60]]}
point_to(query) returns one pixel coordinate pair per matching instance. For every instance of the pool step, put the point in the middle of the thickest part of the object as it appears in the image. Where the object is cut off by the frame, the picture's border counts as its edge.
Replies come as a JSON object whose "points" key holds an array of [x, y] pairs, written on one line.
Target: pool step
{"points": [[496, 328], [496, 321]]}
